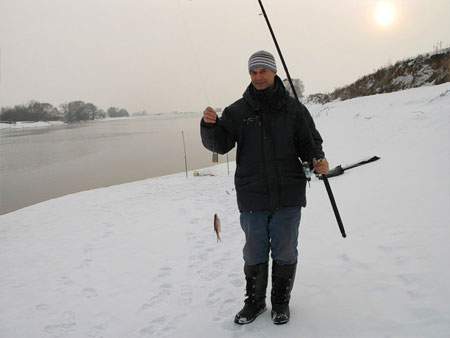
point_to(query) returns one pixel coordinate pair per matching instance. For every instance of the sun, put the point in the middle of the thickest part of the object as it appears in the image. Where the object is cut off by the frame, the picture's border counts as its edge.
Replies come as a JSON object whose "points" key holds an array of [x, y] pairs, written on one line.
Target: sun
{"points": [[384, 14]]}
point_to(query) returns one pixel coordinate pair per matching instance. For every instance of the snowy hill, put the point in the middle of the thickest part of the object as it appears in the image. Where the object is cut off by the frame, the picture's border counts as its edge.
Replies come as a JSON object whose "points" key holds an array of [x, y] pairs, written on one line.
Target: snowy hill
{"points": [[141, 259], [427, 69]]}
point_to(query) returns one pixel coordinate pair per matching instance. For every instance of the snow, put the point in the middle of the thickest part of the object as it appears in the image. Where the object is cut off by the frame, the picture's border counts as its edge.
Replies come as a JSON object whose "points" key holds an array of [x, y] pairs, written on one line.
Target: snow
{"points": [[141, 259], [406, 80], [22, 125], [42, 124]]}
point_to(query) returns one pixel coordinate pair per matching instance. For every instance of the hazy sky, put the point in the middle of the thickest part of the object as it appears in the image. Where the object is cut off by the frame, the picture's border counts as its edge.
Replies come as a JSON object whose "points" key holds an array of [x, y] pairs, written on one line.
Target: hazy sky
{"points": [[181, 55]]}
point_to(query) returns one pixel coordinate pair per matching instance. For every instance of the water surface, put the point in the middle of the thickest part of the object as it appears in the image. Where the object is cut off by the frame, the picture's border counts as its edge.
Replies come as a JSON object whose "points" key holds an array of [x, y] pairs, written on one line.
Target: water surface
{"points": [[38, 164]]}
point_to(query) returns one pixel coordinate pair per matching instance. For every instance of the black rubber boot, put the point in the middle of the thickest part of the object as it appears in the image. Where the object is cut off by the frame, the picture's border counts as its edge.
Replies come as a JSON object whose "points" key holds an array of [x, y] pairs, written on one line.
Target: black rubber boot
{"points": [[256, 277], [282, 282]]}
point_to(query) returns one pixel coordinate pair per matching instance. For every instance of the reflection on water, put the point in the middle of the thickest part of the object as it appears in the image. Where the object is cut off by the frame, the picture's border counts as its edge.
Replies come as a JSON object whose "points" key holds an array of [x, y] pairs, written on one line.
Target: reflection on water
{"points": [[42, 163]]}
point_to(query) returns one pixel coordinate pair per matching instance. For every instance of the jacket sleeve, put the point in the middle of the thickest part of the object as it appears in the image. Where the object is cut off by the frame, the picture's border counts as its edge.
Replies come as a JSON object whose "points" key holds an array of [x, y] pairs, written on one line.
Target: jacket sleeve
{"points": [[309, 141], [218, 137]]}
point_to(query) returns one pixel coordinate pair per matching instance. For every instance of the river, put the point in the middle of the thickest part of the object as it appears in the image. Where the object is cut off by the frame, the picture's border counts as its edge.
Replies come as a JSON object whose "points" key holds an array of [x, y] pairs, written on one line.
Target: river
{"points": [[37, 164]]}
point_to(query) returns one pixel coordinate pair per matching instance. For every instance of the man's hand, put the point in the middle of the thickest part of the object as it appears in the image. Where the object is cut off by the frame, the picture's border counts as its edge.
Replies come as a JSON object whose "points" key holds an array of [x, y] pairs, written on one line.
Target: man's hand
{"points": [[209, 115], [321, 165]]}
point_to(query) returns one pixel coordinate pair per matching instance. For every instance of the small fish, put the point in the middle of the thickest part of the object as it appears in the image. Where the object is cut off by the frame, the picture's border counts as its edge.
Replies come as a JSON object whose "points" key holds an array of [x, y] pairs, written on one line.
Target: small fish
{"points": [[217, 227]]}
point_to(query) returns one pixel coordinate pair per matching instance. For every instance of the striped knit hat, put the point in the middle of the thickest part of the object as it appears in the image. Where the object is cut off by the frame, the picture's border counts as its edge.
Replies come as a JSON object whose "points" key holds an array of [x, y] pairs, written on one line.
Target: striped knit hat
{"points": [[262, 59]]}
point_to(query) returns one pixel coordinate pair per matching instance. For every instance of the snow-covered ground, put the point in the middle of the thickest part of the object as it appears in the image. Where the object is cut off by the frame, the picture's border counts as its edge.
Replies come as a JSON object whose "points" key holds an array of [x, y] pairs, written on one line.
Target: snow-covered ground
{"points": [[141, 259], [42, 124], [22, 125]]}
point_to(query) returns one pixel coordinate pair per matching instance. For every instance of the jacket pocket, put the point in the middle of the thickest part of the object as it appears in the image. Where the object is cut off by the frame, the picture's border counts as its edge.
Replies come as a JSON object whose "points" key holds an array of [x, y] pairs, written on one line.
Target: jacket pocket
{"points": [[292, 176], [250, 184]]}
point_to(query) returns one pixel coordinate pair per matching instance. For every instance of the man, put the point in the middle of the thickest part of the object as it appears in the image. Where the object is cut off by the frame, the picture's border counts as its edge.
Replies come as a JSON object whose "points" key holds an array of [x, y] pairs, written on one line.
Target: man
{"points": [[272, 131]]}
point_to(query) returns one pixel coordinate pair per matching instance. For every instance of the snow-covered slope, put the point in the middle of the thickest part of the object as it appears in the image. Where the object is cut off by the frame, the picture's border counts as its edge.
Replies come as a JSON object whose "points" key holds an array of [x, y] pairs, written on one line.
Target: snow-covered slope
{"points": [[141, 259], [422, 70]]}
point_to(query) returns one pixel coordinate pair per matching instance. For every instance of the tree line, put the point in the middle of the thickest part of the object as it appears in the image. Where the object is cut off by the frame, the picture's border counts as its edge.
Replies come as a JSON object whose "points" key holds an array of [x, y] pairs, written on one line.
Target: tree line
{"points": [[68, 112]]}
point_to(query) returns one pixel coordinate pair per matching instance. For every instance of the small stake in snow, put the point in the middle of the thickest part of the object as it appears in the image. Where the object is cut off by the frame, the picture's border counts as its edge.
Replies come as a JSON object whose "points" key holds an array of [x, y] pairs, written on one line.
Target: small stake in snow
{"points": [[324, 177], [185, 158]]}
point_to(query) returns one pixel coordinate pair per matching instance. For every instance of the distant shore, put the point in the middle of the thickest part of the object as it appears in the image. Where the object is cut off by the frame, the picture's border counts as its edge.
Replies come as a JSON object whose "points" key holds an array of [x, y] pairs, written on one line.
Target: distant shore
{"points": [[22, 125], [41, 124]]}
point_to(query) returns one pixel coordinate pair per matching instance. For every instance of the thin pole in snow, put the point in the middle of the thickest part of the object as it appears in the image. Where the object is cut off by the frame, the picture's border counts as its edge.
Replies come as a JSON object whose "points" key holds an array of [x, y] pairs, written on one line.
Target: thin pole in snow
{"points": [[185, 157]]}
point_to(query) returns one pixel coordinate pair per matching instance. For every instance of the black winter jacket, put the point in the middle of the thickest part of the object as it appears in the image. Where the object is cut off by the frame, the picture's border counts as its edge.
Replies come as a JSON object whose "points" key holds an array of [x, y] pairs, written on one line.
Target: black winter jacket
{"points": [[272, 131]]}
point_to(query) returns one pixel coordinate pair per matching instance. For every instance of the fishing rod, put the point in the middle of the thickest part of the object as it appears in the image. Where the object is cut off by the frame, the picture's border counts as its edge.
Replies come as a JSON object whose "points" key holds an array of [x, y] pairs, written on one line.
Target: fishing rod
{"points": [[323, 177]]}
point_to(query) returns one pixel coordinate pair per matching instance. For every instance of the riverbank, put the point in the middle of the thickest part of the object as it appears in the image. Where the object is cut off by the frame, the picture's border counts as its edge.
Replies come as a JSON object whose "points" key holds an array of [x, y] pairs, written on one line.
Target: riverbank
{"points": [[22, 125], [141, 259], [43, 124], [38, 164]]}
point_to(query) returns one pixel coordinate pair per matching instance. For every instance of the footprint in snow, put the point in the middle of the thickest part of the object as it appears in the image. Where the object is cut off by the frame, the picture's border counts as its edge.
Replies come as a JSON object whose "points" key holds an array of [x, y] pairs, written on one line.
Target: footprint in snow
{"points": [[214, 297], [66, 281], [60, 330], [42, 307], [164, 271], [107, 234], [65, 327], [161, 327], [165, 290], [223, 304], [236, 279], [195, 220], [185, 295], [96, 331], [228, 307], [199, 243], [89, 293], [191, 236], [88, 248], [209, 275], [85, 263]]}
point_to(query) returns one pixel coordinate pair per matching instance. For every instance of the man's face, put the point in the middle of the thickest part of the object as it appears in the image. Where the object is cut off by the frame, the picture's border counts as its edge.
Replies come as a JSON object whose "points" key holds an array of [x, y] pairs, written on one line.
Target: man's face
{"points": [[262, 78]]}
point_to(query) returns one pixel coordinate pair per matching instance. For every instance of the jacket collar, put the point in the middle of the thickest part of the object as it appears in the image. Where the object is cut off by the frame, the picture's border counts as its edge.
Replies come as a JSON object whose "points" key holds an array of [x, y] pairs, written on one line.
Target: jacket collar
{"points": [[277, 95]]}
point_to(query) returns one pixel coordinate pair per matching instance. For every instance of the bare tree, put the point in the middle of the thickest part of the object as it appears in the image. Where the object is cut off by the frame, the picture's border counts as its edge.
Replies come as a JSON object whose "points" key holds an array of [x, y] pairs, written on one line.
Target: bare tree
{"points": [[298, 85]]}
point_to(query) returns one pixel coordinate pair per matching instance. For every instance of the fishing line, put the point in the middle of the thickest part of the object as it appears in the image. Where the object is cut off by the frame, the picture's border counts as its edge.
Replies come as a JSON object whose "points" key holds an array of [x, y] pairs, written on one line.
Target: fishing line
{"points": [[196, 58], [193, 50]]}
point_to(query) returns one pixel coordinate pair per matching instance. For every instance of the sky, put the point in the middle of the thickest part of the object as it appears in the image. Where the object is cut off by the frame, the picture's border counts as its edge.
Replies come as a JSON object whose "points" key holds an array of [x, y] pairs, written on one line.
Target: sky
{"points": [[182, 55]]}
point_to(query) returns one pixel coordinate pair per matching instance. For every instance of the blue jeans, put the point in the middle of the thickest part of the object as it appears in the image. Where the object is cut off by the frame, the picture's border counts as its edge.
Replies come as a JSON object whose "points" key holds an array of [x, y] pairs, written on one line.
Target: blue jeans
{"points": [[271, 231]]}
